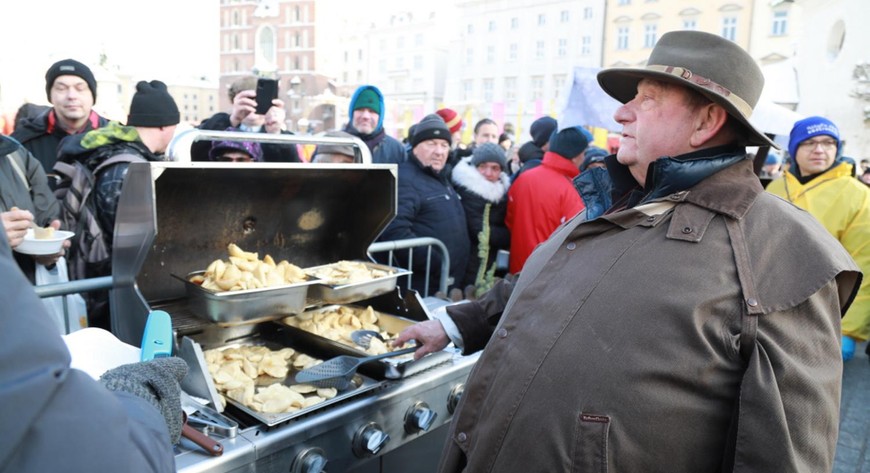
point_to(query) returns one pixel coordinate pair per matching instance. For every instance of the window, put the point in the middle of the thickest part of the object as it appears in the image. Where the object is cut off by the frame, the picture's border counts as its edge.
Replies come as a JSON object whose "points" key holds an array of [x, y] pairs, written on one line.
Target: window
{"points": [[400, 42], [729, 28], [418, 62], [539, 50], [558, 85], [650, 35], [624, 2], [586, 45], [565, 16], [690, 24], [780, 23], [537, 87], [469, 56], [487, 89], [469, 29], [491, 26], [400, 62], [266, 44], [542, 19], [510, 89], [418, 40], [563, 47], [512, 52], [467, 89], [382, 66], [490, 54], [622, 37], [587, 13], [359, 54], [515, 23]]}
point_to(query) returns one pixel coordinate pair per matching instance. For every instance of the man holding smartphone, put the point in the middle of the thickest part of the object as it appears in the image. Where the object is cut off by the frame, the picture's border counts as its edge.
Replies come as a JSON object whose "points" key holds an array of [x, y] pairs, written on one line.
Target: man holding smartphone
{"points": [[244, 116]]}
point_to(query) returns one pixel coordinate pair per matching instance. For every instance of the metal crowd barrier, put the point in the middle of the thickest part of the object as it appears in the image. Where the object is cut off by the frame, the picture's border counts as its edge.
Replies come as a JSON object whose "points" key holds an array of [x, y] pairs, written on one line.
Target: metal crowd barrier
{"points": [[105, 282]]}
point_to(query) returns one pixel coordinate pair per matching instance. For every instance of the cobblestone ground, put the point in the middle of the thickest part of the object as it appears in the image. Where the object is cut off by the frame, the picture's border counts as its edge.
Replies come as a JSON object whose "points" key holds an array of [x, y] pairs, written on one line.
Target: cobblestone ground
{"points": [[853, 455]]}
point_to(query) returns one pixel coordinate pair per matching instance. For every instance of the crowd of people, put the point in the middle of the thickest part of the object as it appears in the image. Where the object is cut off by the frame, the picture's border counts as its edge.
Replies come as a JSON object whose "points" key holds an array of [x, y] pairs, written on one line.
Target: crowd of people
{"points": [[638, 283]]}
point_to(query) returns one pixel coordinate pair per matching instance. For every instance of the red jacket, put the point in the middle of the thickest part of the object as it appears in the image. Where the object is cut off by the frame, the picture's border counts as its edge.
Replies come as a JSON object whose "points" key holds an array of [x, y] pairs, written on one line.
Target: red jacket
{"points": [[539, 201]]}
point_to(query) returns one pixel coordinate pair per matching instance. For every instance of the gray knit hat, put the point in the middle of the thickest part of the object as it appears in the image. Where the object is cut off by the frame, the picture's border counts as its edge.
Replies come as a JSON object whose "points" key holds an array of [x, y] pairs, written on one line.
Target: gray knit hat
{"points": [[489, 153]]}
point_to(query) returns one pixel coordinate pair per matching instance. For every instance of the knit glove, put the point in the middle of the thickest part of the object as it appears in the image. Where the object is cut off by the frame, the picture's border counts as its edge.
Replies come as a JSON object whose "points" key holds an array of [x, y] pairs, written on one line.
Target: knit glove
{"points": [[156, 381], [848, 348]]}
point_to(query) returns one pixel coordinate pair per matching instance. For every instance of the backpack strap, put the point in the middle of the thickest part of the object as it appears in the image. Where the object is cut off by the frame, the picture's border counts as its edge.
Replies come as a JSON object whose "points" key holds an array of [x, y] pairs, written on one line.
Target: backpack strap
{"points": [[19, 165], [119, 158]]}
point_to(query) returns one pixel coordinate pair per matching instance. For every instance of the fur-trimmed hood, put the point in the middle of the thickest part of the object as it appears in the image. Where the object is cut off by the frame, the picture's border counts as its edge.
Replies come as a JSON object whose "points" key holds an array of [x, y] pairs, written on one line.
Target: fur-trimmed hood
{"points": [[465, 175]]}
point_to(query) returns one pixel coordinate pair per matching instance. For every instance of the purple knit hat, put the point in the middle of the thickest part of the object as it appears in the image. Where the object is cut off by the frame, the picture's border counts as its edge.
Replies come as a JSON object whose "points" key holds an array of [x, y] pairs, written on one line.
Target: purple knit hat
{"points": [[253, 149]]}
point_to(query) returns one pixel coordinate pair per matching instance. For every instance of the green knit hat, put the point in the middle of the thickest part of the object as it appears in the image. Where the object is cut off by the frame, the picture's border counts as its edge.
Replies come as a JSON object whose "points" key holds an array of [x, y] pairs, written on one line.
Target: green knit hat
{"points": [[368, 98]]}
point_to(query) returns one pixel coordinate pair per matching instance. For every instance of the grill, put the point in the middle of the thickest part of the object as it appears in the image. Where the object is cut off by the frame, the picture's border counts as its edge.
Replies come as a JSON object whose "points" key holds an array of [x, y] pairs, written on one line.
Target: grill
{"points": [[175, 218]]}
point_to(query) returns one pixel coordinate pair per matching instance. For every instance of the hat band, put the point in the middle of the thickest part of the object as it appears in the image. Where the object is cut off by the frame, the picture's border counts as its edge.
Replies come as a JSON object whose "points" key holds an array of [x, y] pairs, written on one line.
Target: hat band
{"points": [[454, 121], [744, 108]]}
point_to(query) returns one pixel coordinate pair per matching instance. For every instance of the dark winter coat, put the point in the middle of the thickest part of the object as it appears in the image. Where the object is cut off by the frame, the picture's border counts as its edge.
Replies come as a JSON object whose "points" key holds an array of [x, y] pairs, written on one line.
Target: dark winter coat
{"points": [[55, 418], [476, 192], [629, 340], [43, 139], [594, 186], [272, 152], [429, 206]]}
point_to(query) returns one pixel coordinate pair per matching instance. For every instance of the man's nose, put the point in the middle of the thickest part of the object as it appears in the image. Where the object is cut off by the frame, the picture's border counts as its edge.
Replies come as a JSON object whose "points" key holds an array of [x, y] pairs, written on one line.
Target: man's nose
{"points": [[623, 114]]}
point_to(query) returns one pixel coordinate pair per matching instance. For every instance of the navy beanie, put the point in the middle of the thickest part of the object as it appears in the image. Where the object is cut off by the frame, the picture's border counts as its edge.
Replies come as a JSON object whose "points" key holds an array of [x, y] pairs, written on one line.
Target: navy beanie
{"points": [[594, 154], [431, 127], [808, 128], [541, 130], [489, 153], [70, 67], [570, 142]]}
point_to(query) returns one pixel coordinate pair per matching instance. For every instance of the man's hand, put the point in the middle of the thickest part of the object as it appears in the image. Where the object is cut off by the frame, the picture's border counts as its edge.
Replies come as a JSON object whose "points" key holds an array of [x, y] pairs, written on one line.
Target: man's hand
{"points": [[15, 224], [275, 117], [48, 260], [244, 104], [430, 336]]}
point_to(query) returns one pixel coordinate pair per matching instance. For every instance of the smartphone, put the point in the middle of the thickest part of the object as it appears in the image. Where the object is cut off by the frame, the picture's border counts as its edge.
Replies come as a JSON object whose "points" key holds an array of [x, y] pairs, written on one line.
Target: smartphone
{"points": [[267, 90]]}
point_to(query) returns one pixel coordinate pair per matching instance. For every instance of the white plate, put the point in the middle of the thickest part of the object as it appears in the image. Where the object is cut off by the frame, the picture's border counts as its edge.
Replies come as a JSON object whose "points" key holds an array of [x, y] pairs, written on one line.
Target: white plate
{"points": [[47, 246]]}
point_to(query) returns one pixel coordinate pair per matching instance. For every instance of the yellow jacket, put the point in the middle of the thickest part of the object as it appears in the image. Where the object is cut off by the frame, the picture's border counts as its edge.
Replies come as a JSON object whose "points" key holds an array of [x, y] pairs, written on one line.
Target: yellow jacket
{"points": [[842, 204]]}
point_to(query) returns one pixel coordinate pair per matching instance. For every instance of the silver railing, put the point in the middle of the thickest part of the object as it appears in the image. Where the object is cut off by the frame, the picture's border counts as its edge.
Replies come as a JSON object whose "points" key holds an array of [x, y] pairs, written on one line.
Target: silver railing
{"points": [[105, 282]]}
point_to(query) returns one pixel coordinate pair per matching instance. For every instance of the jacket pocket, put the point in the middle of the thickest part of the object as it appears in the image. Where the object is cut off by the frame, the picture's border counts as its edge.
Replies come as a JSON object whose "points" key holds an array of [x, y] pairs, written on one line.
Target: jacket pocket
{"points": [[590, 443]]}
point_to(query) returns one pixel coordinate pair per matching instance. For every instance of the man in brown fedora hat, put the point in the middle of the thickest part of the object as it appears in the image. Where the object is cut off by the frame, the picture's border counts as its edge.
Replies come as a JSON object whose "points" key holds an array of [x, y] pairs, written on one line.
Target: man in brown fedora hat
{"points": [[666, 334]]}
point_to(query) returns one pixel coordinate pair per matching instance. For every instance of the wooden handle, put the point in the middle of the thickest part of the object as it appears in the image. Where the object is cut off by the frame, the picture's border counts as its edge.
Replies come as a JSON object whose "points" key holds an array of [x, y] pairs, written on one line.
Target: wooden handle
{"points": [[210, 445]]}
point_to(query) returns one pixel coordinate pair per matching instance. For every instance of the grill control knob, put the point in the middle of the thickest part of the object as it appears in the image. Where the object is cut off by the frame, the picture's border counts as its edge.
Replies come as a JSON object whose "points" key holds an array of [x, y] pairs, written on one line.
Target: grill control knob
{"points": [[419, 418], [311, 460], [454, 397], [369, 440]]}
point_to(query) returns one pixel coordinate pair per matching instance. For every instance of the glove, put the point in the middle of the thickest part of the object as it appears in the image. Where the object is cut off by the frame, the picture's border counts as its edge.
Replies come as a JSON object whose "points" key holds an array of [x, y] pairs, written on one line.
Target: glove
{"points": [[848, 348], [156, 381]]}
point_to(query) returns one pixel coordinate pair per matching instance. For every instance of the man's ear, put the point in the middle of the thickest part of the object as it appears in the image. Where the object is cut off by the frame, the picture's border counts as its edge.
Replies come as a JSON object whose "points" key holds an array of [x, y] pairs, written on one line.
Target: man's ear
{"points": [[710, 119]]}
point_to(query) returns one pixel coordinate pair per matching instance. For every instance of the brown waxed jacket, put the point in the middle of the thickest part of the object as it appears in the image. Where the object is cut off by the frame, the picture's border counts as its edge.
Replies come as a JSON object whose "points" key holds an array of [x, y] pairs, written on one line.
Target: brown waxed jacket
{"points": [[628, 339]]}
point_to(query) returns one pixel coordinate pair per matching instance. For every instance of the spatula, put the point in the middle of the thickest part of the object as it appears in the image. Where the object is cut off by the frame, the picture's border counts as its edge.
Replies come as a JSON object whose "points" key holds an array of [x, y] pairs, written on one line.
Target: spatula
{"points": [[338, 372]]}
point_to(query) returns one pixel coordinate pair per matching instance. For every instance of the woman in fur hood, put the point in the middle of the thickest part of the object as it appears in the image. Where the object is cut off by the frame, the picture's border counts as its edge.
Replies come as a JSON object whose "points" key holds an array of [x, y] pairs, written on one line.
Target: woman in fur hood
{"points": [[481, 181]]}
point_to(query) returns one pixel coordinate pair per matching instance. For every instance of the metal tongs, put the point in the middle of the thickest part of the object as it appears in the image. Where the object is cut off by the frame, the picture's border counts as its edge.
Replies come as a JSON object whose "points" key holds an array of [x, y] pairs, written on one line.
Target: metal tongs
{"points": [[338, 372]]}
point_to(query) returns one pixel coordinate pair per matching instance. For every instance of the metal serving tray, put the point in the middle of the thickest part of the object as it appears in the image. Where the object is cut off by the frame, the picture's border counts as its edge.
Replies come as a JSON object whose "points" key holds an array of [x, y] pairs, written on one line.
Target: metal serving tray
{"points": [[247, 306], [322, 293], [275, 340], [390, 368]]}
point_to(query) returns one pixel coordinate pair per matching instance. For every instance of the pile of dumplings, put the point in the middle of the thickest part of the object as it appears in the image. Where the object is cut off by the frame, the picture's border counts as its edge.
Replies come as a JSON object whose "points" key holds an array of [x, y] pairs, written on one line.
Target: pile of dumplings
{"points": [[346, 272], [337, 323], [235, 372], [245, 270]]}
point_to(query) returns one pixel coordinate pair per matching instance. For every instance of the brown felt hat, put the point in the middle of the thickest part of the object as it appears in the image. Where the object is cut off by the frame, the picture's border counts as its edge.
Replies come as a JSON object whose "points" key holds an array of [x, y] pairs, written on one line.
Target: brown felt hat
{"points": [[707, 63]]}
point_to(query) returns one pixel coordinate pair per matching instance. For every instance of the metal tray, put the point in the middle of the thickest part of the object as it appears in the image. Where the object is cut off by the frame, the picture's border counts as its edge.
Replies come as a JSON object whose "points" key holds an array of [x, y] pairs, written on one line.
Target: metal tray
{"points": [[275, 339], [390, 368], [247, 306], [322, 293]]}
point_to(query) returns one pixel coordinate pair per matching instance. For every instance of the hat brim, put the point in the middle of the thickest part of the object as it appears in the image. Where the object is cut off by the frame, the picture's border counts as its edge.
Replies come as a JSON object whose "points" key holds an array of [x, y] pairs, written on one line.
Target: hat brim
{"points": [[621, 84]]}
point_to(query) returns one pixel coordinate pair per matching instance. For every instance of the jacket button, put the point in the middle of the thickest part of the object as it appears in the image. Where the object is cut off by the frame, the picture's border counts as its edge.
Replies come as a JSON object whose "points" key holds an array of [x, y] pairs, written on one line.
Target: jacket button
{"points": [[751, 302], [650, 219], [675, 196], [502, 333], [687, 230], [461, 437], [571, 246]]}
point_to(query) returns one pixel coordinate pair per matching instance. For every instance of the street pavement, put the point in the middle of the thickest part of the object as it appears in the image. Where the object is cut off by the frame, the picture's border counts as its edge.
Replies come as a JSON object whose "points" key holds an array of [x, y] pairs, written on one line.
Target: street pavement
{"points": [[853, 454]]}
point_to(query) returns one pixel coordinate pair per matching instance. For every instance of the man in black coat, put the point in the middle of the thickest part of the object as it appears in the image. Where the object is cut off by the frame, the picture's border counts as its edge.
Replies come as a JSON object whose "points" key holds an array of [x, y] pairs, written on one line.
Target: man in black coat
{"points": [[429, 206]]}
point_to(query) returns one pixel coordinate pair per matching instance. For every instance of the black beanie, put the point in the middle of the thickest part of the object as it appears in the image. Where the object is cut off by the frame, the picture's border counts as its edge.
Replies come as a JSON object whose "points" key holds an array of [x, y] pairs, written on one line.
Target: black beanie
{"points": [[70, 67], [431, 127], [152, 106], [489, 153], [541, 130]]}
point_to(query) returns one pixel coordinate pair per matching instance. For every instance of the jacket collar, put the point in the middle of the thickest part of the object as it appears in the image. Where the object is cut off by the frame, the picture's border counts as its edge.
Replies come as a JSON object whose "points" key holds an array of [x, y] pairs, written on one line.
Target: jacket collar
{"points": [[466, 175], [560, 164]]}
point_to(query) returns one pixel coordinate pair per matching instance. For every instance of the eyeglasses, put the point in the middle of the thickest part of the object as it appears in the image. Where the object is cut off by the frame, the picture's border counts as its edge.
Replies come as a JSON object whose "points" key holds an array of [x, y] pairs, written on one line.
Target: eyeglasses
{"points": [[811, 144]]}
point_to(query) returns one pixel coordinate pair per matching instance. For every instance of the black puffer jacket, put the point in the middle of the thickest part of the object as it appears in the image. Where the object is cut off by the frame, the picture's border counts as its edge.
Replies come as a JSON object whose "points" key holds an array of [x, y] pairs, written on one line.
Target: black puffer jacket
{"points": [[34, 135], [429, 207], [476, 192]]}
